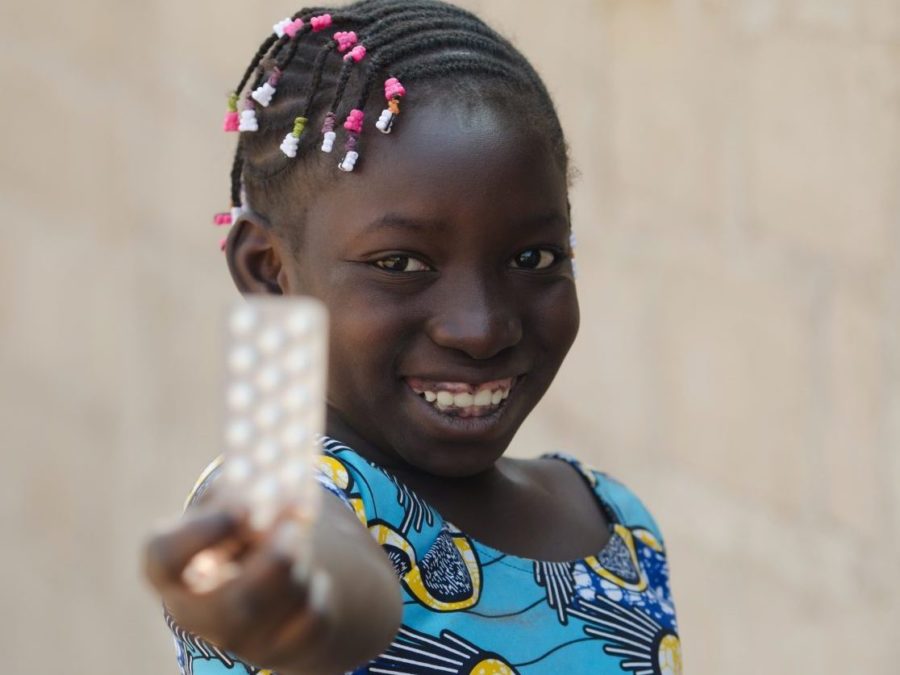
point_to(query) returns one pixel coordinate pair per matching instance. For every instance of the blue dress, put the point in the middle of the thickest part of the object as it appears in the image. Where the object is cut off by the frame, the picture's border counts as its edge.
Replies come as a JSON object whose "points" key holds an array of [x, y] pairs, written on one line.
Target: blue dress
{"points": [[470, 609]]}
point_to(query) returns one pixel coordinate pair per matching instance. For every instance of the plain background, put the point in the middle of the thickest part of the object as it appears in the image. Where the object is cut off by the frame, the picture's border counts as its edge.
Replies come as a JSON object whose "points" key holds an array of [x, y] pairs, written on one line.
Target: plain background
{"points": [[738, 217]]}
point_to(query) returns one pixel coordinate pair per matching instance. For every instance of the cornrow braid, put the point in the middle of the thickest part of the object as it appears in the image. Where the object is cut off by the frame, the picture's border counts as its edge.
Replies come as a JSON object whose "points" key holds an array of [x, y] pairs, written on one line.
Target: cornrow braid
{"points": [[319, 57]]}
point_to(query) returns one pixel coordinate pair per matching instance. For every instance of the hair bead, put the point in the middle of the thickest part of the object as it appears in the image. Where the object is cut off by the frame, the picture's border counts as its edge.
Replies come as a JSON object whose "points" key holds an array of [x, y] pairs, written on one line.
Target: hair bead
{"points": [[357, 54], [354, 121], [348, 164], [393, 91], [328, 134], [222, 219], [280, 27], [320, 23], [354, 125], [263, 94], [232, 119], [248, 118], [345, 40], [291, 142], [393, 88], [293, 28]]}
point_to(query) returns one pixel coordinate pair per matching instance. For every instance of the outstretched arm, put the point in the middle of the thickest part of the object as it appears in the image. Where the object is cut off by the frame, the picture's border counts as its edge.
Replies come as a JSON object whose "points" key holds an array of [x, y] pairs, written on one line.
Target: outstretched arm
{"points": [[341, 614]]}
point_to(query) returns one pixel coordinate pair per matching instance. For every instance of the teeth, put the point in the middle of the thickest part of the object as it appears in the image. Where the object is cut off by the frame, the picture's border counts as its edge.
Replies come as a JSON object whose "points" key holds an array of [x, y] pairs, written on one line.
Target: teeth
{"points": [[463, 400], [483, 397], [444, 398]]}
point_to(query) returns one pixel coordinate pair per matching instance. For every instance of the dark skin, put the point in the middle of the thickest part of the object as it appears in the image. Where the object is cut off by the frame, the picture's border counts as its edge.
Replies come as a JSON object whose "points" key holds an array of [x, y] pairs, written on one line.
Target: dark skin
{"points": [[444, 258]]}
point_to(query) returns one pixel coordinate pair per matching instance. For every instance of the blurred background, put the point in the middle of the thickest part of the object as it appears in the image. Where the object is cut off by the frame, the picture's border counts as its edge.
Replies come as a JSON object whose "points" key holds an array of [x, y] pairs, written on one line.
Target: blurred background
{"points": [[738, 217]]}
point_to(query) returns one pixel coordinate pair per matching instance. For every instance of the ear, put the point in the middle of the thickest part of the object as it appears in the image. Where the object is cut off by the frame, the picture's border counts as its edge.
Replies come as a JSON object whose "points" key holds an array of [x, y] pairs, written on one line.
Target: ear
{"points": [[256, 257]]}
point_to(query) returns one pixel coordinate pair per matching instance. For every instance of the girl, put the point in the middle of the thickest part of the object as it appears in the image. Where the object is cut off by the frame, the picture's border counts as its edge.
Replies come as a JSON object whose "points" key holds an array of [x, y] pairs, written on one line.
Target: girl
{"points": [[442, 250]]}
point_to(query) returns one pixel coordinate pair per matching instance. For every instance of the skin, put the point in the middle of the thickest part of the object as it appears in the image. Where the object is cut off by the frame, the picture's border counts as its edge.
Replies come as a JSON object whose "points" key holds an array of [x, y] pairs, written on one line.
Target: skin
{"points": [[443, 258]]}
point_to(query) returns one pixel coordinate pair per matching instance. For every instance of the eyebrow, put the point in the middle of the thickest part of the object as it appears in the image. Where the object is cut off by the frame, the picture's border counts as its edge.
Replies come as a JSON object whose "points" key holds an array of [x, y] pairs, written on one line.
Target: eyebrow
{"points": [[398, 222], [395, 221]]}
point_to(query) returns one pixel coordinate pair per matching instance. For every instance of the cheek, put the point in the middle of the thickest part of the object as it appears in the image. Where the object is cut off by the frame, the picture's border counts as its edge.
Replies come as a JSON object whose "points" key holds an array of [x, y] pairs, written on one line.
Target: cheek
{"points": [[367, 334], [556, 319]]}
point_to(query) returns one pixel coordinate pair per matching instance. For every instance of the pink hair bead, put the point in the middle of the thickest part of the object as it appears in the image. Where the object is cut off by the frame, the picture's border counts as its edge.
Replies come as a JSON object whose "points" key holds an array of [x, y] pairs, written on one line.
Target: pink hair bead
{"points": [[222, 219], [345, 40], [320, 23], [223, 243], [357, 54], [232, 121], [393, 88], [293, 28], [354, 121]]}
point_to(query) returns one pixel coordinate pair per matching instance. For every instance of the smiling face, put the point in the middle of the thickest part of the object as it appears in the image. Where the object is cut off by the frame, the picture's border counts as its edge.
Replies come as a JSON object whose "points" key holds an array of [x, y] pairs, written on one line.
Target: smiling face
{"points": [[444, 261]]}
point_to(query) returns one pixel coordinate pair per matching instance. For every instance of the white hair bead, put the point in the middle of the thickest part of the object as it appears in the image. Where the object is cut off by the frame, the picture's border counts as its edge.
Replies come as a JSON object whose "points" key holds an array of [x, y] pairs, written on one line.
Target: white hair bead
{"points": [[236, 214], [349, 161], [248, 121], [263, 94], [290, 145], [328, 141], [281, 25], [385, 122]]}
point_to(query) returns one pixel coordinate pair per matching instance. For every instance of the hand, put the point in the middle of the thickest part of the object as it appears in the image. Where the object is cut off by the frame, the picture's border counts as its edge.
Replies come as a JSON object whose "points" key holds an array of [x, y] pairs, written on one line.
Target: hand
{"points": [[266, 612]]}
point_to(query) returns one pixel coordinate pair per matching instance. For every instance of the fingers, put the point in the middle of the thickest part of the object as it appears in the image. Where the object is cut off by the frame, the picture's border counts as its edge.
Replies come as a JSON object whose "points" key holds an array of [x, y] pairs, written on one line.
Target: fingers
{"points": [[167, 554], [243, 612]]}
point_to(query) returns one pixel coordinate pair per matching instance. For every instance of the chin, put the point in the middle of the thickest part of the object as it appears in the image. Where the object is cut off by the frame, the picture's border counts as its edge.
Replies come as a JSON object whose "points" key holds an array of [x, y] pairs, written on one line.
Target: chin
{"points": [[451, 460]]}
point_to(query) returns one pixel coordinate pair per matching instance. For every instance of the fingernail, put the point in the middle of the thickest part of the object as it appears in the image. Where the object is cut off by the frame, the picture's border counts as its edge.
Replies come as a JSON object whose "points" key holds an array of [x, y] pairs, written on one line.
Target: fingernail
{"points": [[302, 565], [320, 591]]}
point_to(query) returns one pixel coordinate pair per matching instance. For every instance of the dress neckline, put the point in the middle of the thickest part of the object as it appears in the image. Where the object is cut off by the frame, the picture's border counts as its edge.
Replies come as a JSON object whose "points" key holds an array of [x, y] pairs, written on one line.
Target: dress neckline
{"points": [[592, 481]]}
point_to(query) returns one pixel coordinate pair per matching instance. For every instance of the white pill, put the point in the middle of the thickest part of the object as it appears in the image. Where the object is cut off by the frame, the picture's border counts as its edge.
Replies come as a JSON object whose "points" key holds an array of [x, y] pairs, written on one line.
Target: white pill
{"points": [[271, 340], [265, 490], [243, 320], [267, 452], [296, 398], [269, 416], [240, 396], [295, 435], [297, 361], [242, 359], [239, 433], [269, 378], [238, 469], [299, 323], [293, 473]]}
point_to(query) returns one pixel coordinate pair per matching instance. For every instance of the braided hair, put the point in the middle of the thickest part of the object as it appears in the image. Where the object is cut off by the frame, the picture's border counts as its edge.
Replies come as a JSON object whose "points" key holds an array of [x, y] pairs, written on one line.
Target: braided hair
{"points": [[299, 84]]}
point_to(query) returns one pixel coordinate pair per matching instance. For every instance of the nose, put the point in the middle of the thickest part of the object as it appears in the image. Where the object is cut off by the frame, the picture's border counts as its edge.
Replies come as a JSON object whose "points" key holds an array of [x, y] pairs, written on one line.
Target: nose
{"points": [[476, 318]]}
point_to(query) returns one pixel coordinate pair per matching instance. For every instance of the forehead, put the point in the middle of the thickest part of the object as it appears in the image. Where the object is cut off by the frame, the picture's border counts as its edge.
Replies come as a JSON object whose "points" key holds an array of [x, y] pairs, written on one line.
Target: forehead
{"points": [[449, 161]]}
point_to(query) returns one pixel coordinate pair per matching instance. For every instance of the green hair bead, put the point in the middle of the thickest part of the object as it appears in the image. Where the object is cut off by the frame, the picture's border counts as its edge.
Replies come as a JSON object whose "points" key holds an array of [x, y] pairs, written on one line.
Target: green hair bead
{"points": [[299, 126]]}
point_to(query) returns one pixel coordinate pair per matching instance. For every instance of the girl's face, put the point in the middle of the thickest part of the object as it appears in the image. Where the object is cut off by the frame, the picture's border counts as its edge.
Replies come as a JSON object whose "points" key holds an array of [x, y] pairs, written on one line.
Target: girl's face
{"points": [[444, 261]]}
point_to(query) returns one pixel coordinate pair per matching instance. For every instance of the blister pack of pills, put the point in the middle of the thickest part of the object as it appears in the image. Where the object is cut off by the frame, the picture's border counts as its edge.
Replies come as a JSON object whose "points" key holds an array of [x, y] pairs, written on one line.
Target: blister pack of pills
{"points": [[276, 364], [275, 406]]}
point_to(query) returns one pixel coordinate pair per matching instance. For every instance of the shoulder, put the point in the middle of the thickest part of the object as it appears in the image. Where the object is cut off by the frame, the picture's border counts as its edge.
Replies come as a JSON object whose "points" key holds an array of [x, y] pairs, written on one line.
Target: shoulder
{"points": [[623, 503], [389, 509]]}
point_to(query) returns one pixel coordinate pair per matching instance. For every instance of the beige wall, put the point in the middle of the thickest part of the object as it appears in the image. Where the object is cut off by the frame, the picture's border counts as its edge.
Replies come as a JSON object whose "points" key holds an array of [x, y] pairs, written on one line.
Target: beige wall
{"points": [[739, 362]]}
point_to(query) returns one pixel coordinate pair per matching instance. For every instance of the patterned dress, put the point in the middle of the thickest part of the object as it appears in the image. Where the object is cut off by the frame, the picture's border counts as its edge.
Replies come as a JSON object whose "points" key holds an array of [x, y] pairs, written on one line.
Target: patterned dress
{"points": [[472, 610]]}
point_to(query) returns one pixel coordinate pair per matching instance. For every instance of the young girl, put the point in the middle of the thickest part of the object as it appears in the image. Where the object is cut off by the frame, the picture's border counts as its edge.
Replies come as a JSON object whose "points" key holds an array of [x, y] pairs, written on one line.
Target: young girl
{"points": [[442, 250]]}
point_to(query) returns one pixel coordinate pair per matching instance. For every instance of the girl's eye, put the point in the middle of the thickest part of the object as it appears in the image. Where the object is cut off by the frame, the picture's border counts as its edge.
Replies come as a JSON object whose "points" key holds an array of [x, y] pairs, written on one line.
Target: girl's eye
{"points": [[536, 259], [401, 263]]}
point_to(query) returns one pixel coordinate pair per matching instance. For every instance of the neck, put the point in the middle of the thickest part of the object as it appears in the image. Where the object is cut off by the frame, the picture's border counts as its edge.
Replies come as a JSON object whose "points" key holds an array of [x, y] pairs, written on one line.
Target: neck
{"points": [[337, 427]]}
